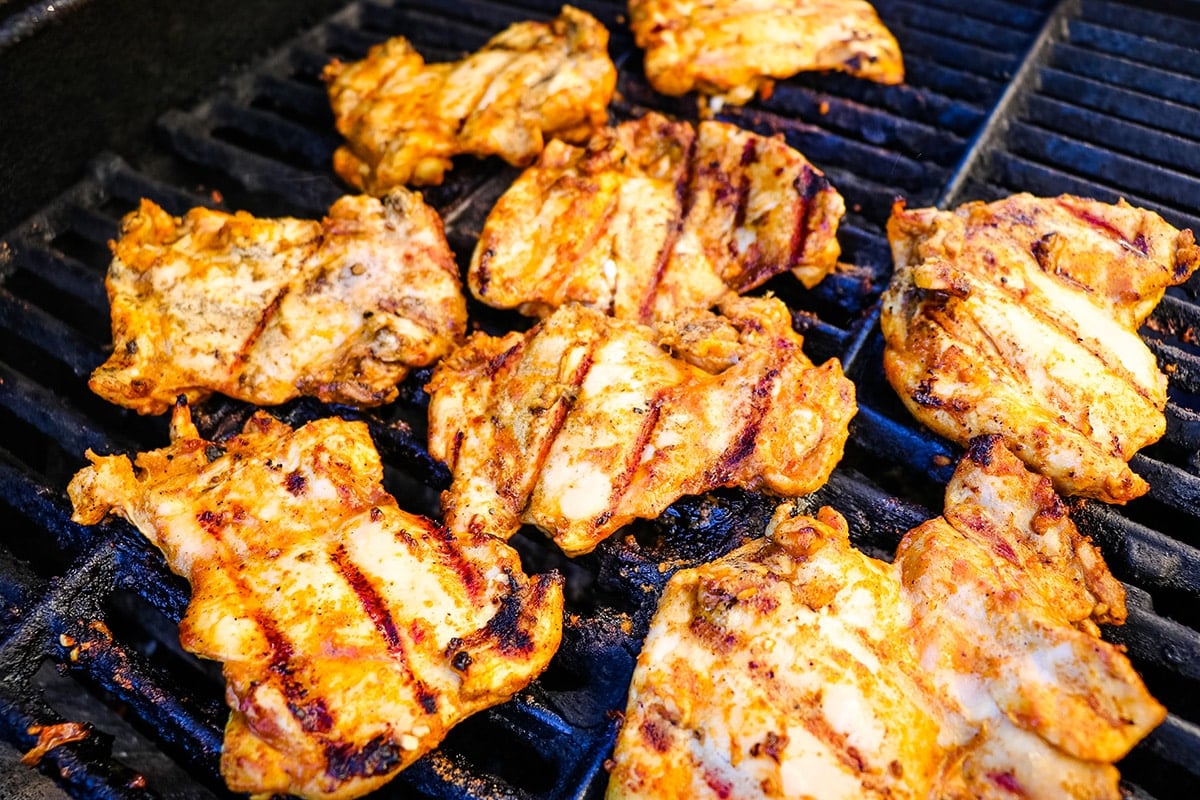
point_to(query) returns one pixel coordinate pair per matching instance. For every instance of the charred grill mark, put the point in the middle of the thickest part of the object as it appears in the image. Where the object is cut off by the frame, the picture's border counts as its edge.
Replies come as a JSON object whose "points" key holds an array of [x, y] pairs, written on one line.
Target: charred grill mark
{"points": [[656, 734], [808, 185], [925, 396], [296, 483], [212, 522], [495, 365], [562, 407], [243, 353], [621, 482], [1054, 322], [483, 271], [376, 608], [504, 628], [377, 757], [683, 205], [313, 715], [426, 698], [749, 156], [1138, 245], [720, 473], [981, 449], [373, 604], [449, 555]]}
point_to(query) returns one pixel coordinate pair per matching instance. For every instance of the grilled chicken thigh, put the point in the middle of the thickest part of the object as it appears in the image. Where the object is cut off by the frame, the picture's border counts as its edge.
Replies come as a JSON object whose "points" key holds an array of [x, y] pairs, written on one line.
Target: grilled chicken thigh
{"points": [[404, 119], [266, 310], [731, 49], [654, 216], [587, 422], [970, 668], [1020, 318], [353, 634]]}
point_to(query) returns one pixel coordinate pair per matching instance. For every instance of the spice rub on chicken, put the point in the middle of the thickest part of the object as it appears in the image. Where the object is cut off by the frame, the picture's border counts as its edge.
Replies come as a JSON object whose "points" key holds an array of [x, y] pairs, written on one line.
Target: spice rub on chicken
{"points": [[654, 216], [353, 635], [404, 119], [1019, 317], [971, 668], [587, 422], [732, 49], [266, 310]]}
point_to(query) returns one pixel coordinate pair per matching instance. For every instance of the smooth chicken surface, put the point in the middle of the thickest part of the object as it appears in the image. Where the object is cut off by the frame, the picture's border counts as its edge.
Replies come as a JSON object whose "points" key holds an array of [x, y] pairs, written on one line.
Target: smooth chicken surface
{"points": [[970, 668], [733, 49], [353, 634], [266, 310], [588, 422], [404, 119], [653, 217], [1019, 318]]}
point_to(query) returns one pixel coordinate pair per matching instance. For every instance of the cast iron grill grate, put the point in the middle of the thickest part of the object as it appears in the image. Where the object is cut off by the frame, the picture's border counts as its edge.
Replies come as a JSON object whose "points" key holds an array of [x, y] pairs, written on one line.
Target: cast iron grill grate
{"points": [[997, 100]]}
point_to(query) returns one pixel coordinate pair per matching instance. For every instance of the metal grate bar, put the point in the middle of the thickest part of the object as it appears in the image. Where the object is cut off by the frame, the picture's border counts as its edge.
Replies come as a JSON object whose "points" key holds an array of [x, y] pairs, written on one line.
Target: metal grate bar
{"points": [[309, 192], [1148, 145], [49, 334], [1123, 103], [1000, 37], [41, 408], [1109, 69], [1165, 185], [61, 272], [873, 126], [1145, 22]]}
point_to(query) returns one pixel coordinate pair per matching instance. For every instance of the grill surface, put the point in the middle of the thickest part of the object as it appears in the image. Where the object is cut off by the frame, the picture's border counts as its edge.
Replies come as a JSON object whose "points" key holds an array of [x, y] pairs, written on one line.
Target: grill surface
{"points": [[1096, 98]]}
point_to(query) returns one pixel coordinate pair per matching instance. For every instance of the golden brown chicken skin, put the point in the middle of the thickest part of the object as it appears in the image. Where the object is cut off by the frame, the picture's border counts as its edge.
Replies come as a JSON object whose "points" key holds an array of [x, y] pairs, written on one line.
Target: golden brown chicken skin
{"points": [[588, 422], [733, 49], [1019, 317], [970, 668], [266, 310], [353, 635], [655, 216], [404, 119]]}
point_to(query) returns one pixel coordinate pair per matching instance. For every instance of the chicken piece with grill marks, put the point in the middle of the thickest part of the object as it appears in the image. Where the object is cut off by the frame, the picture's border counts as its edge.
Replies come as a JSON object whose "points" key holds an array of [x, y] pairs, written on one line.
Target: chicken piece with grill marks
{"points": [[404, 119], [1019, 317], [732, 49], [971, 668], [353, 634], [266, 310], [655, 216], [587, 422]]}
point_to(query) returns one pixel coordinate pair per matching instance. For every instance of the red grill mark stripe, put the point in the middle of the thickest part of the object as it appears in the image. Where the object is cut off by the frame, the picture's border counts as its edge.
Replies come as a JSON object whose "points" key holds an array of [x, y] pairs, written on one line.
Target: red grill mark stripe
{"points": [[374, 605], [808, 185], [622, 482], [272, 308], [1110, 230], [683, 205], [722, 471], [376, 608]]}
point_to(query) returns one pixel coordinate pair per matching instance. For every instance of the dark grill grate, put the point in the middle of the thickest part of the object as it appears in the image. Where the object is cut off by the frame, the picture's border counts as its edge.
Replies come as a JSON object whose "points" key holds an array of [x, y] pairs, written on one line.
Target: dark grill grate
{"points": [[1091, 97]]}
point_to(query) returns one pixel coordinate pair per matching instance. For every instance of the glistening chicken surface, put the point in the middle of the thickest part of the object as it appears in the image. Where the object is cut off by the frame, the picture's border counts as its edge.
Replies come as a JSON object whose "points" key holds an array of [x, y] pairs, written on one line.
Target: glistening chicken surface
{"points": [[266, 310], [587, 422], [353, 635], [1019, 318], [971, 667]]}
